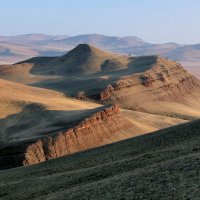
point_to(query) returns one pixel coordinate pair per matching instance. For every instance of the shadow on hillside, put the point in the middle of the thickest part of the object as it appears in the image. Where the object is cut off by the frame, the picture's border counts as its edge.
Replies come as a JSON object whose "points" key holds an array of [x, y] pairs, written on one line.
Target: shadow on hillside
{"points": [[17, 131], [71, 85]]}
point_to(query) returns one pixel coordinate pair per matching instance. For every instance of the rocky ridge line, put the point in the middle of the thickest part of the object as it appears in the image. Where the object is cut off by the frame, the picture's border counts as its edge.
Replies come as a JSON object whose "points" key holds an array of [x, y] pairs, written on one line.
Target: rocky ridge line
{"points": [[90, 133]]}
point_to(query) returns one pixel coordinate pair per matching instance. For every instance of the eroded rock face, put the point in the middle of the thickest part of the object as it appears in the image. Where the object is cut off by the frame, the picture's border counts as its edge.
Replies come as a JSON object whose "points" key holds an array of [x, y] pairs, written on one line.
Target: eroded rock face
{"points": [[147, 81], [106, 94], [90, 133], [168, 81]]}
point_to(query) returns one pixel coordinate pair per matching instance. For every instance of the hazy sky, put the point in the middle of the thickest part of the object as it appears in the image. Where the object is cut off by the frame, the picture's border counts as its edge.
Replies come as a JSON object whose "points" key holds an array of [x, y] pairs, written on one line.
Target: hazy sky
{"points": [[155, 21]]}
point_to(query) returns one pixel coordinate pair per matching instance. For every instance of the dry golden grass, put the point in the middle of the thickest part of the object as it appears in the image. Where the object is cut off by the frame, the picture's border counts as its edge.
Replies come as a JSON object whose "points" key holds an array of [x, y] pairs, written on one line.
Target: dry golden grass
{"points": [[84, 59], [14, 96], [28, 112], [80, 72]]}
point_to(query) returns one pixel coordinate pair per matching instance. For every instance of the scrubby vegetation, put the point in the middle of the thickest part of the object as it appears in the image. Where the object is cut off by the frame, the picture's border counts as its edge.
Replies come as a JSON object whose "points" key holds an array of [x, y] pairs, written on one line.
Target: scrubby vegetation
{"points": [[161, 165]]}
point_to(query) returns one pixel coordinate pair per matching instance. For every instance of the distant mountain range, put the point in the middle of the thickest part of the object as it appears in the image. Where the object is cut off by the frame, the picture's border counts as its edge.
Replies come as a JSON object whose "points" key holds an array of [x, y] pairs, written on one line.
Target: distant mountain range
{"points": [[21, 47]]}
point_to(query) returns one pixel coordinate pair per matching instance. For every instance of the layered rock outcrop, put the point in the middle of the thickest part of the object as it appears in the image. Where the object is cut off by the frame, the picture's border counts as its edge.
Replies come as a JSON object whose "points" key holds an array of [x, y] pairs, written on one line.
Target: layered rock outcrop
{"points": [[164, 81], [90, 133]]}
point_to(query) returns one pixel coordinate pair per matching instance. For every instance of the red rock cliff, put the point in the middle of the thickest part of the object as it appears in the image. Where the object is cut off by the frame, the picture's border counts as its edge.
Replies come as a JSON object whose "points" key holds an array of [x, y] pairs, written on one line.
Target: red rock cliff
{"points": [[90, 133]]}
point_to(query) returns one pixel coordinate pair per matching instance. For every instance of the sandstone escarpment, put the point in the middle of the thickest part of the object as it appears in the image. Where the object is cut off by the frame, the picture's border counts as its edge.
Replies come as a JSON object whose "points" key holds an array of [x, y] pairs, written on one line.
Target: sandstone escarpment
{"points": [[165, 81], [91, 132]]}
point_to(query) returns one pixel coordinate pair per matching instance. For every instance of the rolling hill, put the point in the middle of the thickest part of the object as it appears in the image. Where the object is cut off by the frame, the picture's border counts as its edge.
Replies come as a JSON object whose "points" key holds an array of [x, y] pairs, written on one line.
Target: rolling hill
{"points": [[150, 84], [102, 41], [14, 97], [40, 124], [16, 48], [115, 97], [34, 120], [160, 165], [83, 59]]}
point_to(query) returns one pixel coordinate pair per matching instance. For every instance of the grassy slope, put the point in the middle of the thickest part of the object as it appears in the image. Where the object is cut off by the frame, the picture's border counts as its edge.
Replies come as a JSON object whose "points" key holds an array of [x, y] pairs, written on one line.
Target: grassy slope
{"points": [[161, 165], [28, 113], [83, 59], [15, 96], [15, 100], [137, 97]]}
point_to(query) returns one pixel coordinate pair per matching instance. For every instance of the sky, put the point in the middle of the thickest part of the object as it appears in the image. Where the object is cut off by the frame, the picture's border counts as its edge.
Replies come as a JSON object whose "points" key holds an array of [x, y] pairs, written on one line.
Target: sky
{"points": [[155, 21]]}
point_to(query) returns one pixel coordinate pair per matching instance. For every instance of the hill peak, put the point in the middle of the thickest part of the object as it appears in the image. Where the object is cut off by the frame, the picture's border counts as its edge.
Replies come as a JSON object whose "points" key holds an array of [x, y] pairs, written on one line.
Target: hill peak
{"points": [[83, 48], [84, 58]]}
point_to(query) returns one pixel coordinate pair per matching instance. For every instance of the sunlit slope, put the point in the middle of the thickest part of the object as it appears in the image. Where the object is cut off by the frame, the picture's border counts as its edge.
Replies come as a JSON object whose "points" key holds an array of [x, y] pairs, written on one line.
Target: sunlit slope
{"points": [[148, 84], [15, 96], [29, 114]]}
